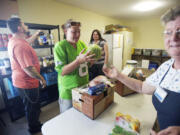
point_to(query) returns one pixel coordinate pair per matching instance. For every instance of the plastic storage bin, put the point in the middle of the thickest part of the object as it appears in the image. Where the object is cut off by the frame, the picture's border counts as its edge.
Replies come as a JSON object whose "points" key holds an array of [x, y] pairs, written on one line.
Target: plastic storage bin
{"points": [[137, 51], [147, 52], [156, 52], [153, 65], [164, 53], [50, 77]]}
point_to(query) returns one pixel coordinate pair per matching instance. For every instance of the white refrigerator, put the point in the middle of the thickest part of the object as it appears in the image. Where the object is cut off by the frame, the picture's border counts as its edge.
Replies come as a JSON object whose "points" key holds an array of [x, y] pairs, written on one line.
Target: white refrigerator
{"points": [[119, 47]]}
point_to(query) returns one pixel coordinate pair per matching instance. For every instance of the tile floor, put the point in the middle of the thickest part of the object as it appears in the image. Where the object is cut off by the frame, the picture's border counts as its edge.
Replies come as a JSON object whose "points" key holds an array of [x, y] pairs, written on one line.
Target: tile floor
{"points": [[19, 127]]}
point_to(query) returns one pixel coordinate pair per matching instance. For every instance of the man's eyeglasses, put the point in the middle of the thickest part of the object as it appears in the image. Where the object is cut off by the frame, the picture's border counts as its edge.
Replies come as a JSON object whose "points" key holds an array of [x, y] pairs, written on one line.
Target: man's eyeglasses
{"points": [[168, 33]]}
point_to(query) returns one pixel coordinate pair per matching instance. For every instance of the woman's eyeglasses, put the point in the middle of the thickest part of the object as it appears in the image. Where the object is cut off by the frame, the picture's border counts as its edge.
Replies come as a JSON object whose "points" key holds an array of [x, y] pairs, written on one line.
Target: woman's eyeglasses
{"points": [[168, 33]]}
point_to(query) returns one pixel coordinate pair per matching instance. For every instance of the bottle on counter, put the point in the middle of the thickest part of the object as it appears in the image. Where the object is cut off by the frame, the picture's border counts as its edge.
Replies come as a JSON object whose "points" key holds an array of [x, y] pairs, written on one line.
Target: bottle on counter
{"points": [[40, 38], [52, 60], [4, 66], [48, 60], [52, 39], [44, 62], [7, 63], [48, 39], [41, 62]]}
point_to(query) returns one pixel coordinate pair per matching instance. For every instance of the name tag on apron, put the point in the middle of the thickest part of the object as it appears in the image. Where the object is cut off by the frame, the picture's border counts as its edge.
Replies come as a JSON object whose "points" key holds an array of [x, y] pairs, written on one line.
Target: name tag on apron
{"points": [[160, 94]]}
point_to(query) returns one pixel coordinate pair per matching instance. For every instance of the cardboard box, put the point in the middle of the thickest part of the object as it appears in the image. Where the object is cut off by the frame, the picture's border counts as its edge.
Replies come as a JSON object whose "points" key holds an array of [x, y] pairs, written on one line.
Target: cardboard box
{"points": [[109, 27], [92, 106], [77, 97], [109, 99], [93, 110], [123, 90], [89, 107]]}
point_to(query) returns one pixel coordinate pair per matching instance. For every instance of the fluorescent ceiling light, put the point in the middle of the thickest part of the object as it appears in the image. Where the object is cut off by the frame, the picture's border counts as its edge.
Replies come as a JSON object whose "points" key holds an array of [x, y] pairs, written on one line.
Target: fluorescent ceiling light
{"points": [[147, 5]]}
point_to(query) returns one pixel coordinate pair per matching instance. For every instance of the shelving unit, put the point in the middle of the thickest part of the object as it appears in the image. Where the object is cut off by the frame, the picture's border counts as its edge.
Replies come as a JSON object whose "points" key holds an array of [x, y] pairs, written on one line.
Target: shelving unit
{"points": [[157, 59], [35, 26], [13, 104]]}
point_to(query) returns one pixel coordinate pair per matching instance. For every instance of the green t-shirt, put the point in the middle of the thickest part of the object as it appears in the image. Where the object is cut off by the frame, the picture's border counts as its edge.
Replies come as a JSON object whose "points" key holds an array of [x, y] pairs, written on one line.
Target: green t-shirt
{"points": [[65, 53]]}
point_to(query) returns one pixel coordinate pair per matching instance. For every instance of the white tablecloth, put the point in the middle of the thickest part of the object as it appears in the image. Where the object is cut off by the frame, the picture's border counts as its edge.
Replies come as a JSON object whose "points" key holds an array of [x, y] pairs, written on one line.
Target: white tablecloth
{"points": [[73, 122]]}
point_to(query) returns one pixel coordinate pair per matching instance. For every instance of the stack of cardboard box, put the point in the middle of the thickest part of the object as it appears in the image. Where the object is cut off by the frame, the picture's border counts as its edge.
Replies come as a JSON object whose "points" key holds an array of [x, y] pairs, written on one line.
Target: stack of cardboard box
{"points": [[111, 28]]}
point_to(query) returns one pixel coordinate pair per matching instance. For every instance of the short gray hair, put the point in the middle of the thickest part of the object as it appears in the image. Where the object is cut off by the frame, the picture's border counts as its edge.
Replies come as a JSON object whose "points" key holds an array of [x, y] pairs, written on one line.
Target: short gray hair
{"points": [[170, 15]]}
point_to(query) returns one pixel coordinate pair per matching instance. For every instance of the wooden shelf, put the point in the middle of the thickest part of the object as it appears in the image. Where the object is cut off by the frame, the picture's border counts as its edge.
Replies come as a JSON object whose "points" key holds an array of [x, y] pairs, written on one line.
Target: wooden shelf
{"points": [[158, 59], [3, 24], [35, 47], [134, 55]]}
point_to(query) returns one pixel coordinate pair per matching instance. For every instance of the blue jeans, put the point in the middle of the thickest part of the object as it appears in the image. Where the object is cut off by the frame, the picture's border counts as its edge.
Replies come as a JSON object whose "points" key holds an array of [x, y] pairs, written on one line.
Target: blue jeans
{"points": [[30, 99]]}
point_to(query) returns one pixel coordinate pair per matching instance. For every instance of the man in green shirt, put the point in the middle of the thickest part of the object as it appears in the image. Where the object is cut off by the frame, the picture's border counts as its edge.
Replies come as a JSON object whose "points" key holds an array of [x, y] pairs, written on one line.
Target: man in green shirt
{"points": [[71, 63]]}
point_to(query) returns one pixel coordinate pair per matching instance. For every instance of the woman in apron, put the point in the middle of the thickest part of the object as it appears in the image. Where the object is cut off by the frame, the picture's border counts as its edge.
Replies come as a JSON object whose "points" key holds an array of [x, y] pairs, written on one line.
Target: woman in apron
{"points": [[164, 84]]}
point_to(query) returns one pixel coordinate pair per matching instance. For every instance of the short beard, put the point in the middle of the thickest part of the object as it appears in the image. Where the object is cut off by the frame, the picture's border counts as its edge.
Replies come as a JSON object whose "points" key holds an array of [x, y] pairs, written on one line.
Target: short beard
{"points": [[27, 33]]}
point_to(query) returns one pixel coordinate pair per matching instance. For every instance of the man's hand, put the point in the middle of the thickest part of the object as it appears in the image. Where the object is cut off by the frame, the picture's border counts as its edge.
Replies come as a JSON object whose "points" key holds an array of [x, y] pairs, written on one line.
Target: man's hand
{"points": [[31, 39], [37, 32], [172, 130], [43, 82], [85, 57], [105, 68], [32, 72], [111, 72]]}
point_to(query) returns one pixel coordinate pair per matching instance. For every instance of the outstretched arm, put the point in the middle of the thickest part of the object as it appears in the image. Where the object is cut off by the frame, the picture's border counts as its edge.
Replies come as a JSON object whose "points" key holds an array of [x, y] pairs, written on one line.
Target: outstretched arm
{"points": [[134, 84], [31, 39]]}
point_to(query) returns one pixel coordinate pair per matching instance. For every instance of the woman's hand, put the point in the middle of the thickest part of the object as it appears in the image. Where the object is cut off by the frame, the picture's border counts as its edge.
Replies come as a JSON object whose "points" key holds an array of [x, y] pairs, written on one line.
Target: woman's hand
{"points": [[105, 68], [172, 130], [111, 72], [152, 132]]}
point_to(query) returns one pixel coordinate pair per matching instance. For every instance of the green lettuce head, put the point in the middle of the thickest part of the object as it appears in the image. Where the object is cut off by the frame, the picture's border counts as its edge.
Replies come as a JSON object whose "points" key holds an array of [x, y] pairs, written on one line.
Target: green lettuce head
{"points": [[95, 49]]}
